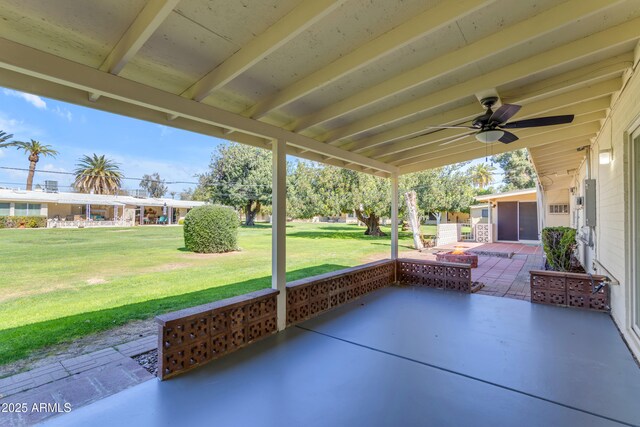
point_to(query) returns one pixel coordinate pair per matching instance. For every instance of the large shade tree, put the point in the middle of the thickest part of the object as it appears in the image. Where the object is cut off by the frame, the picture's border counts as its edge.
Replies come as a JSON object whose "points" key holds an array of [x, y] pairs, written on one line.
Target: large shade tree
{"points": [[154, 185], [97, 174], [33, 149], [239, 176], [518, 170], [446, 189], [315, 189], [304, 199]]}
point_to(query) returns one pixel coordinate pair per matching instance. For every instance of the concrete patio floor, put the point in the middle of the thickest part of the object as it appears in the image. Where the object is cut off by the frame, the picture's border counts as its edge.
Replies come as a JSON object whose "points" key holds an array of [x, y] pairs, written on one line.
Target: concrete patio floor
{"points": [[403, 356]]}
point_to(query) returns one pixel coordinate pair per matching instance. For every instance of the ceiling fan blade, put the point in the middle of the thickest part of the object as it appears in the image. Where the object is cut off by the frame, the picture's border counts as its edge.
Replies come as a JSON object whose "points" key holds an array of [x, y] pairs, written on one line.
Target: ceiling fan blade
{"points": [[540, 121], [508, 138], [458, 138], [449, 127], [504, 113]]}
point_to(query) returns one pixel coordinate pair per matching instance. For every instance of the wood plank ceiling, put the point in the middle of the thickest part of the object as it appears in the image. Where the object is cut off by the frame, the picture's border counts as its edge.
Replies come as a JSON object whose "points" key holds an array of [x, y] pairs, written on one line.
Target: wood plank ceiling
{"points": [[354, 83]]}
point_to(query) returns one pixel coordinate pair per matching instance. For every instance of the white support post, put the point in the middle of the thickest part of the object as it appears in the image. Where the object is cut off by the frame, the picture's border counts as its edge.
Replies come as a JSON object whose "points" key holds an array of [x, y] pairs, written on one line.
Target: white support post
{"points": [[394, 216], [278, 228], [141, 215]]}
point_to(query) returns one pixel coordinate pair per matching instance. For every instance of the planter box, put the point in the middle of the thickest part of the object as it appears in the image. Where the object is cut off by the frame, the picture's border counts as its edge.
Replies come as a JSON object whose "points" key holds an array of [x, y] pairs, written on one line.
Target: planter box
{"points": [[569, 290]]}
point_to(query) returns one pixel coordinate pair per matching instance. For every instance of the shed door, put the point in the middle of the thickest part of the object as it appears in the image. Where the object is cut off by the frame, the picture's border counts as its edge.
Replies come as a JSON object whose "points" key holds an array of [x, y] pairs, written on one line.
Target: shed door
{"points": [[508, 221], [528, 224]]}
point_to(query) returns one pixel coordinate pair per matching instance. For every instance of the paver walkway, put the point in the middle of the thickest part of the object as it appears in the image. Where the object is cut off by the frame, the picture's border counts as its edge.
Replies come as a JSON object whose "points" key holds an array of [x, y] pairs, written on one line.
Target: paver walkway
{"points": [[504, 273], [74, 382]]}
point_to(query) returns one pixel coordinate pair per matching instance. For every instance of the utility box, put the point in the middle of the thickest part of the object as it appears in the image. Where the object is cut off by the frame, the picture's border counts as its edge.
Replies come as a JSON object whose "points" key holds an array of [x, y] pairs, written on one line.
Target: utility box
{"points": [[590, 202]]}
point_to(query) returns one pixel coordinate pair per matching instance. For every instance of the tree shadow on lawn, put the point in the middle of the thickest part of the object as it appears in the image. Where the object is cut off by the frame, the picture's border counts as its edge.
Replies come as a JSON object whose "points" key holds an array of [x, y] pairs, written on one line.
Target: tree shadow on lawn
{"points": [[347, 234], [17, 343], [259, 225]]}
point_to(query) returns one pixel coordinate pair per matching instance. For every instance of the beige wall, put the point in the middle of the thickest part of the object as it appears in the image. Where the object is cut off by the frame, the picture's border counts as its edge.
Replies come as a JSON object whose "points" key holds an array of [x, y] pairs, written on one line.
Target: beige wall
{"points": [[552, 197], [613, 232]]}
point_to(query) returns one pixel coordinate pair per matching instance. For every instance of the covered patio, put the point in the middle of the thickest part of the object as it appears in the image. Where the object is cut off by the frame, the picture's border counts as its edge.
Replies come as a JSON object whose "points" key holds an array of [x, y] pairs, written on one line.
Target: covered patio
{"points": [[404, 356], [380, 87]]}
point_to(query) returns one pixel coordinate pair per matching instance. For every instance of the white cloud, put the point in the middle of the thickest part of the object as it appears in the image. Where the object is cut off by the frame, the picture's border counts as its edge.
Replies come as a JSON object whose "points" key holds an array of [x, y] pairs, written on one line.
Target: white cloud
{"points": [[34, 100], [63, 112], [165, 130], [1, 154], [18, 128]]}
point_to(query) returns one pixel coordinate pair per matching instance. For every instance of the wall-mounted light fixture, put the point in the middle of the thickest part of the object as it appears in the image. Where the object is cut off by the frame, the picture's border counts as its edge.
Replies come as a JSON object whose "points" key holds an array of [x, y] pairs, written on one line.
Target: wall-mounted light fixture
{"points": [[605, 156]]}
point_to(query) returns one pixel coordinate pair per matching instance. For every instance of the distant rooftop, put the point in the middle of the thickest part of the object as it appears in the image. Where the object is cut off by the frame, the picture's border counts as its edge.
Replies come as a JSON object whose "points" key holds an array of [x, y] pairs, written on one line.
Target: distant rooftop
{"points": [[96, 199], [521, 192]]}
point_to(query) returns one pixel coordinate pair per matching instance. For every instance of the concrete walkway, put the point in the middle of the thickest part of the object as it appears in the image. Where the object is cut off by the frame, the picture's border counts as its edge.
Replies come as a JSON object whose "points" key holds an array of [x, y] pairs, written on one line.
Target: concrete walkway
{"points": [[76, 382]]}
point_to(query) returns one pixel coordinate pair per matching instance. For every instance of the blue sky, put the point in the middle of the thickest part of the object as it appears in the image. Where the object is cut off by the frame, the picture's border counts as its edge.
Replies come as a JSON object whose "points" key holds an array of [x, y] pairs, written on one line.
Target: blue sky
{"points": [[139, 147]]}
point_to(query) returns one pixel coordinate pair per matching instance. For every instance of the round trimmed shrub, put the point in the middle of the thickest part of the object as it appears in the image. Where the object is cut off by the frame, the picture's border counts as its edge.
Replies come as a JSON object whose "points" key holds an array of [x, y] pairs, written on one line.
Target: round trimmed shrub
{"points": [[211, 229]]}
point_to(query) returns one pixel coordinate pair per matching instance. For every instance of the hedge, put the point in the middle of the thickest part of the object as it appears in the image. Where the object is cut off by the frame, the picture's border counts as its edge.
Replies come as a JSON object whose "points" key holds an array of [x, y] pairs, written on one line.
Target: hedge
{"points": [[211, 229], [23, 221], [559, 245]]}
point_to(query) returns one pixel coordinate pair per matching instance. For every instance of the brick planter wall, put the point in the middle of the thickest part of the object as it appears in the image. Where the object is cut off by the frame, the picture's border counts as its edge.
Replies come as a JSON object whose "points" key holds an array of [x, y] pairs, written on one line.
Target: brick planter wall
{"points": [[434, 274], [192, 337], [569, 290], [309, 297]]}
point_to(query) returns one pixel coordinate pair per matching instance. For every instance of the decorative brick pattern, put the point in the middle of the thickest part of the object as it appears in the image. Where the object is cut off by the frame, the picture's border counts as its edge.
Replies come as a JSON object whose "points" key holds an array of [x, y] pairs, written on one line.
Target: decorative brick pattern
{"points": [[434, 274], [192, 337], [569, 290], [483, 233], [309, 297], [189, 338]]}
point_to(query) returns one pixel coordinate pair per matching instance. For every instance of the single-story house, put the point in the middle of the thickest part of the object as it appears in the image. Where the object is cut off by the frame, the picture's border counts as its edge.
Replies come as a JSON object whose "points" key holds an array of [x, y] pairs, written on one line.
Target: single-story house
{"points": [[513, 215], [80, 209], [447, 217]]}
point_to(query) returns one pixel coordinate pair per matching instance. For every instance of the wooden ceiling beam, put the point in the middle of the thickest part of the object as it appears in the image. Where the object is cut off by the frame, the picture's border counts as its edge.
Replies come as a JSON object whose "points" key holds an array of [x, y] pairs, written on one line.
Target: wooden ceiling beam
{"points": [[584, 132], [291, 25], [420, 26], [470, 143], [45, 66], [595, 99], [146, 23], [493, 44], [550, 59]]}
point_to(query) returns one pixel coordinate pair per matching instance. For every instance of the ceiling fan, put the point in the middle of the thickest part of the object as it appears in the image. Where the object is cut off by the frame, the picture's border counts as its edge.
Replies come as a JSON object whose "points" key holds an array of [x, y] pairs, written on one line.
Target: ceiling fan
{"points": [[490, 126]]}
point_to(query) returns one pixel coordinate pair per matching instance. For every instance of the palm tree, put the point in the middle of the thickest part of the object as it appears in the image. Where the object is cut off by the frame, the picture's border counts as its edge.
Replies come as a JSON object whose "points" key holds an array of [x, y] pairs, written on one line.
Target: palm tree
{"points": [[97, 174], [34, 149], [4, 137], [482, 175]]}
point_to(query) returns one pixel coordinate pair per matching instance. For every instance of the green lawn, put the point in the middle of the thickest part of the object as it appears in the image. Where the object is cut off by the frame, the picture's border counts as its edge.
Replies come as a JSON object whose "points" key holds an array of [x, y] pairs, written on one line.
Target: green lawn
{"points": [[57, 285]]}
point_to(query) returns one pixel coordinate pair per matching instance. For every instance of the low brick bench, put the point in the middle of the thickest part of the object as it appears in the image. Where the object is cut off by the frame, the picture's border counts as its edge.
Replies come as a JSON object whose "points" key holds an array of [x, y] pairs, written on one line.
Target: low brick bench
{"points": [[434, 274], [194, 336]]}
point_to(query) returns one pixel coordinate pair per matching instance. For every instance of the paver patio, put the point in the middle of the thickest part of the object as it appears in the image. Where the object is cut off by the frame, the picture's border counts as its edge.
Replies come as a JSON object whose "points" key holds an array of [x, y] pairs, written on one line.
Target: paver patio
{"points": [[504, 273], [77, 381]]}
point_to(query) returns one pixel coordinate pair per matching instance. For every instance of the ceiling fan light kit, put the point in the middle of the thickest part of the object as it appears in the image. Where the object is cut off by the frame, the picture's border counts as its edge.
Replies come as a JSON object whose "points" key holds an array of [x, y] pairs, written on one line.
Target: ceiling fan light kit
{"points": [[488, 136]]}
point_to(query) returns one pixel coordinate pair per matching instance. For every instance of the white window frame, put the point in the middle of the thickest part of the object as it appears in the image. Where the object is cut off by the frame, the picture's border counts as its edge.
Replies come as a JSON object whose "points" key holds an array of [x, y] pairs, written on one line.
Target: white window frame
{"points": [[558, 208]]}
